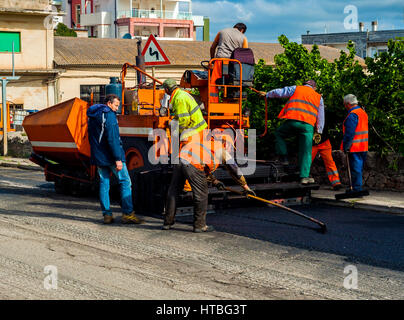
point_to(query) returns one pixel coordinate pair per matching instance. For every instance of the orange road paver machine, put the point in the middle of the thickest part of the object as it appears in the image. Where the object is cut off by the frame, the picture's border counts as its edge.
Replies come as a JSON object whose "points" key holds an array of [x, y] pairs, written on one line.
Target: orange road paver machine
{"points": [[59, 139]]}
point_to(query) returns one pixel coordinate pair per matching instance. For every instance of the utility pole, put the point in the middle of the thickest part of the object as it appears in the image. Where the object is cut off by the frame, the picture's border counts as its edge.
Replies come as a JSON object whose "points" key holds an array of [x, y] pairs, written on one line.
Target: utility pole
{"points": [[4, 81]]}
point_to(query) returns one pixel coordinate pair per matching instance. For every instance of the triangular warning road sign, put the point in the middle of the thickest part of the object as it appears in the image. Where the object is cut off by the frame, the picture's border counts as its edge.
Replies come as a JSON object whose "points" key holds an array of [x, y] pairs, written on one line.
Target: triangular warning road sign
{"points": [[153, 54]]}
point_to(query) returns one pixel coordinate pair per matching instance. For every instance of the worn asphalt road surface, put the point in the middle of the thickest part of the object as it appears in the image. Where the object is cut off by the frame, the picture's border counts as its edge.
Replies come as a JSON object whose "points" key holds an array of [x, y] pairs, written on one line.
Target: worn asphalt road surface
{"points": [[255, 252]]}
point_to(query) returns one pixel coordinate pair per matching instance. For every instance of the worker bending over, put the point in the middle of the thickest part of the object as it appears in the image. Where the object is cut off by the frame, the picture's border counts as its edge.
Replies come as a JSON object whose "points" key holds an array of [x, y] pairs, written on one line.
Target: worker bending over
{"points": [[198, 159], [303, 112], [322, 145]]}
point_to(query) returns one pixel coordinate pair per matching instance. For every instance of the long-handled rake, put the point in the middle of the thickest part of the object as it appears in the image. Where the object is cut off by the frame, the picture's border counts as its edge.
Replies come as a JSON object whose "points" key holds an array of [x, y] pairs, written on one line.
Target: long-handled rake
{"points": [[323, 227]]}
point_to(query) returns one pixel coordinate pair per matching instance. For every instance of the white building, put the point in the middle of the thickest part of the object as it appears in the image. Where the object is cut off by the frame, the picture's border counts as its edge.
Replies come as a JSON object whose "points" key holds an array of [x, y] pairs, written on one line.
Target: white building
{"points": [[367, 43], [165, 19]]}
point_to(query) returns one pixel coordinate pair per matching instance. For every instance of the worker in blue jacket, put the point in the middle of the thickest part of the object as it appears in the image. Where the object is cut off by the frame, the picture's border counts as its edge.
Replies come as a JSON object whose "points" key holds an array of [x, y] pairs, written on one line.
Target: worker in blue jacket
{"points": [[355, 141], [108, 155]]}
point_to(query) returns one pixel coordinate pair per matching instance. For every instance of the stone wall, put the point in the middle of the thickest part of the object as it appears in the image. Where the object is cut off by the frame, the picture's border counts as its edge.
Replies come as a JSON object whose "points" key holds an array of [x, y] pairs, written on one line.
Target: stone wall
{"points": [[380, 173], [18, 145]]}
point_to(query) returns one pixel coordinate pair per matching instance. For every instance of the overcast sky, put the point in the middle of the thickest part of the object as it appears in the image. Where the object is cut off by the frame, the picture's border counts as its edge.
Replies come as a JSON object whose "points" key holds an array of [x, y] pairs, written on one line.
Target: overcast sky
{"points": [[266, 19]]}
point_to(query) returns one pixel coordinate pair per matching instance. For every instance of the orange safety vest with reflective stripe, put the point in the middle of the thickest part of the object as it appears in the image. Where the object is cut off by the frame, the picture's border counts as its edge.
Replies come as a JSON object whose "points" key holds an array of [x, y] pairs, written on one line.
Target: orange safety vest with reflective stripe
{"points": [[200, 154], [302, 106], [360, 141]]}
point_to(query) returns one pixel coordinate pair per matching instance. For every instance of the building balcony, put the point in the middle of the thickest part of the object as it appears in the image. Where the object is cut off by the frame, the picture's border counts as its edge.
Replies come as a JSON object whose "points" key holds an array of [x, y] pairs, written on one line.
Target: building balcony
{"points": [[93, 19], [155, 14]]}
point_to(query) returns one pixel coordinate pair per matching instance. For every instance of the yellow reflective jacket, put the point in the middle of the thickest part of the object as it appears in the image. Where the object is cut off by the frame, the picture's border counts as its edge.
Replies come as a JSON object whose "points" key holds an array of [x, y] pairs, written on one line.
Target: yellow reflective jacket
{"points": [[187, 112]]}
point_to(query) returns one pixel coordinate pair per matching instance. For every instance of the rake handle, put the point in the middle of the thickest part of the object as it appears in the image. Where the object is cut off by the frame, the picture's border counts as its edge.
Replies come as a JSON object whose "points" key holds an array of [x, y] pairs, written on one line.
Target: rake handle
{"points": [[321, 224], [349, 170]]}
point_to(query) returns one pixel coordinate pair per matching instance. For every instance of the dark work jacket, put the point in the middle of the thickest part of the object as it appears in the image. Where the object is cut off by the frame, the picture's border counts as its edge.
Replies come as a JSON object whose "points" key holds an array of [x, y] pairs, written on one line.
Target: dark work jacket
{"points": [[103, 134], [325, 135]]}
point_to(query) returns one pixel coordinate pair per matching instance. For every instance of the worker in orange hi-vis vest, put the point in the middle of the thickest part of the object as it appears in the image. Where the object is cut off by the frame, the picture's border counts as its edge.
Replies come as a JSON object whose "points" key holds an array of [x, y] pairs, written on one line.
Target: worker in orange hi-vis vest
{"points": [[303, 112], [226, 41], [322, 145], [356, 139], [198, 159]]}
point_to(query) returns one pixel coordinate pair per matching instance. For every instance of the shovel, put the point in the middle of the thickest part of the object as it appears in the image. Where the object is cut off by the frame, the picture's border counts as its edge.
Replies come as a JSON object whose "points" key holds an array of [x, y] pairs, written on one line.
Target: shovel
{"points": [[350, 193]]}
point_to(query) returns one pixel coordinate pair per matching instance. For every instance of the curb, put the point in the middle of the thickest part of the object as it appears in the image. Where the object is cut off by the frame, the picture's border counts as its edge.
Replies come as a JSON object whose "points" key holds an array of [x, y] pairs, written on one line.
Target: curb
{"points": [[359, 205], [20, 166]]}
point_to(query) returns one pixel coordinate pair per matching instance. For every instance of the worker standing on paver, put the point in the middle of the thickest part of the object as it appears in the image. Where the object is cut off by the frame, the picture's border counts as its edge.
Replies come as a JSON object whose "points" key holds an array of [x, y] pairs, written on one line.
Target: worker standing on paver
{"points": [[322, 145], [225, 42], [197, 162], [355, 140], [303, 112], [108, 155]]}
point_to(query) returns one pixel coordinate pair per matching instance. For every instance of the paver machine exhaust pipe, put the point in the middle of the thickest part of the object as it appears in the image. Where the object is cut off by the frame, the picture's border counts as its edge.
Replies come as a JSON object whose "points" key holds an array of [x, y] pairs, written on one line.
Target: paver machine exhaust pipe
{"points": [[323, 227], [350, 193]]}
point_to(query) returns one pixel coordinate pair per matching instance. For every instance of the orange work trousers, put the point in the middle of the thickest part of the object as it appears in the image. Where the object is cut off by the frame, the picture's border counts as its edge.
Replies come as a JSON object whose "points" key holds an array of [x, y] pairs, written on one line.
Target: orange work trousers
{"points": [[325, 150], [216, 74]]}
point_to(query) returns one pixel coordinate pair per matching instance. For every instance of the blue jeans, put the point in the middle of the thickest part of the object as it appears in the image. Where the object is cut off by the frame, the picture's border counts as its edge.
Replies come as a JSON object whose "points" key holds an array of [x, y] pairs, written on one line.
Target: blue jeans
{"points": [[125, 186], [356, 162]]}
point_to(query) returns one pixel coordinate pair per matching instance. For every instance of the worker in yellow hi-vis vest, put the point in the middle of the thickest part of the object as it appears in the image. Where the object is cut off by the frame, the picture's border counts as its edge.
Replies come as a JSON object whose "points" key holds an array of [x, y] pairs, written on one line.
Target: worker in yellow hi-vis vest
{"points": [[187, 112], [185, 109]]}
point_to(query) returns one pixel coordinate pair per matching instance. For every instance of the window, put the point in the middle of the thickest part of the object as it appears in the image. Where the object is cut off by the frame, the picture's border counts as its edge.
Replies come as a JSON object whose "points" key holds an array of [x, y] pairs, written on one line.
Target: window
{"points": [[184, 10], [373, 52], [182, 33], [183, 6], [98, 90], [17, 115], [7, 39], [78, 12]]}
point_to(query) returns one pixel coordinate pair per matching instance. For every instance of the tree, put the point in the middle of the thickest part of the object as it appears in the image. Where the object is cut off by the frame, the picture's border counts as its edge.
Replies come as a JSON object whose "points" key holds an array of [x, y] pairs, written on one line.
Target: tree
{"points": [[384, 97], [63, 31]]}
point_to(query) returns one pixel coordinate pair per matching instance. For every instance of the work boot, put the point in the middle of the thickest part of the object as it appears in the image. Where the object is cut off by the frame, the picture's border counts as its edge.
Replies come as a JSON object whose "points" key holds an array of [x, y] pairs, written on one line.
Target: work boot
{"points": [[337, 187], [307, 181], [108, 219], [168, 223], [131, 218], [167, 226], [204, 229]]}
